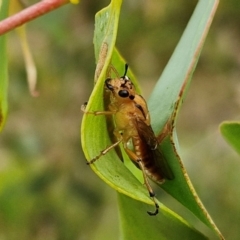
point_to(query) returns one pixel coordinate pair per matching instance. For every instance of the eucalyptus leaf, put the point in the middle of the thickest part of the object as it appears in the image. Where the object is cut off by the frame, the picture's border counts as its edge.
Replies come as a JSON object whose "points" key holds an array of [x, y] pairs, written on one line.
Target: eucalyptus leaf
{"points": [[3, 68], [135, 224], [166, 99], [164, 105], [231, 132]]}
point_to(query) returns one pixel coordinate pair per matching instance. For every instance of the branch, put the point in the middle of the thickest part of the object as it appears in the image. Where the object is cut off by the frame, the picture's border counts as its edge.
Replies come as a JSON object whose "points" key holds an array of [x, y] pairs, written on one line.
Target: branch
{"points": [[29, 14]]}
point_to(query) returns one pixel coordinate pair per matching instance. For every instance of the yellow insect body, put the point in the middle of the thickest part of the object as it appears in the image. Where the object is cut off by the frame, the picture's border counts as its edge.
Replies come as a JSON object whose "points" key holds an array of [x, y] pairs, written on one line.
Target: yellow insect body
{"points": [[132, 123]]}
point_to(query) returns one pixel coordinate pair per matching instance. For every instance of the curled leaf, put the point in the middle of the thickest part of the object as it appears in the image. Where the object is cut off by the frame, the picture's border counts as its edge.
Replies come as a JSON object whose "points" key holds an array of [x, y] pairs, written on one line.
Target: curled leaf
{"points": [[164, 106]]}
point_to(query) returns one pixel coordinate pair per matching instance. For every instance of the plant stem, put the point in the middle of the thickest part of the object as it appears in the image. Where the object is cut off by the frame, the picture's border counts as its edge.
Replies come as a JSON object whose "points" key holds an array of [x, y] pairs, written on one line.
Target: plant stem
{"points": [[29, 14]]}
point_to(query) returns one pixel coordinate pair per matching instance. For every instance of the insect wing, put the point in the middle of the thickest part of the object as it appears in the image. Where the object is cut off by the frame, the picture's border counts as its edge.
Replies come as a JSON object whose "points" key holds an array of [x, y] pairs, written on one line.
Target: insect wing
{"points": [[163, 164], [150, 141]]}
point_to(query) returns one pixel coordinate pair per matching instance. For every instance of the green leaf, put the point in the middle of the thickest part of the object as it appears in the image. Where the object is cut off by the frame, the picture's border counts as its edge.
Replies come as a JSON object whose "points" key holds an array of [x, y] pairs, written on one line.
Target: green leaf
{"points": [[3, 68], [231, 133], [94, 131], [106, 26], [135, 224], [166, 100], [164, 105]]}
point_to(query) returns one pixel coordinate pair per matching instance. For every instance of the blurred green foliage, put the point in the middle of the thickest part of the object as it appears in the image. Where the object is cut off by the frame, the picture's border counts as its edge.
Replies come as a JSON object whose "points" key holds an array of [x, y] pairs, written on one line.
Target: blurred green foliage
{"points": [[46, 189], [231, 132]]}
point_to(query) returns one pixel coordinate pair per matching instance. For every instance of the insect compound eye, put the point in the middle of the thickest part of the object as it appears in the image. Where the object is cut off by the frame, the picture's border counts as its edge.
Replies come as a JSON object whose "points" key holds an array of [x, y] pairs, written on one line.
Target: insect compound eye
{"points": [[108, 85], [123, 93]]}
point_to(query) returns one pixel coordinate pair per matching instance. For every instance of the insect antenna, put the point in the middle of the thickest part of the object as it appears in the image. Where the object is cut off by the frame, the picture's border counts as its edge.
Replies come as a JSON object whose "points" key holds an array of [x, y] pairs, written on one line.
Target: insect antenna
{"points": [[125, 73]]}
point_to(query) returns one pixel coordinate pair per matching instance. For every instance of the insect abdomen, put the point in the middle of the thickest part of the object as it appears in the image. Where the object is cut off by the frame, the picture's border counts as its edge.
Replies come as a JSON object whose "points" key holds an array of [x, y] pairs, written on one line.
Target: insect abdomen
{"points": [[147, 156]]}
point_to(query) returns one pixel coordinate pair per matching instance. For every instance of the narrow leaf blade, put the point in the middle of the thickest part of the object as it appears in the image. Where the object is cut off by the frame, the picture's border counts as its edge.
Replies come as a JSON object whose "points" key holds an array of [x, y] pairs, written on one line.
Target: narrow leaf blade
{"points": [[3, 68], [166, 100], [136, 224]]}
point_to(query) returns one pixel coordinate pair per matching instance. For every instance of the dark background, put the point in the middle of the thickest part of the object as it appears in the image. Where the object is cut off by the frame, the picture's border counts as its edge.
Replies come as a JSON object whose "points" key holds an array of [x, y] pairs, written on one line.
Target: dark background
{"points": [[46, 189]]}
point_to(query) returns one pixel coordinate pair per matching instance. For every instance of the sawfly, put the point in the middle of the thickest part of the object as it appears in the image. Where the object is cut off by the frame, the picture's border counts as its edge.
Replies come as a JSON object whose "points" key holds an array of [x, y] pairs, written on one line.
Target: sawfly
{"points": [[132, 129]]}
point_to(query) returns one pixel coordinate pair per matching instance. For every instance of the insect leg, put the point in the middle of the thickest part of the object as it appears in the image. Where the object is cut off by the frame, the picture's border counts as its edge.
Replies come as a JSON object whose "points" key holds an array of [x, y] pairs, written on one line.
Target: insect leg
{"points": [[102, 153], [83, 109], [150, 190], [135, 158]]}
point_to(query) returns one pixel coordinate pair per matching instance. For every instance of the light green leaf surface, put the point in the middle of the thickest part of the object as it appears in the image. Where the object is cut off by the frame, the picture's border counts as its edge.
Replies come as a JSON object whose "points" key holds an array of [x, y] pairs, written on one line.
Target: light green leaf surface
{"points": [[231, 132], [135, 224], [94, 132], [166, 101], [3, 68], [163, 104]]}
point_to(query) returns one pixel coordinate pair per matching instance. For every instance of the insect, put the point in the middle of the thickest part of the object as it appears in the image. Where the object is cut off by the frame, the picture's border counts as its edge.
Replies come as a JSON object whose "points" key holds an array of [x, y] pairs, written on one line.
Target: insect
{"points": [[132, 127]]}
